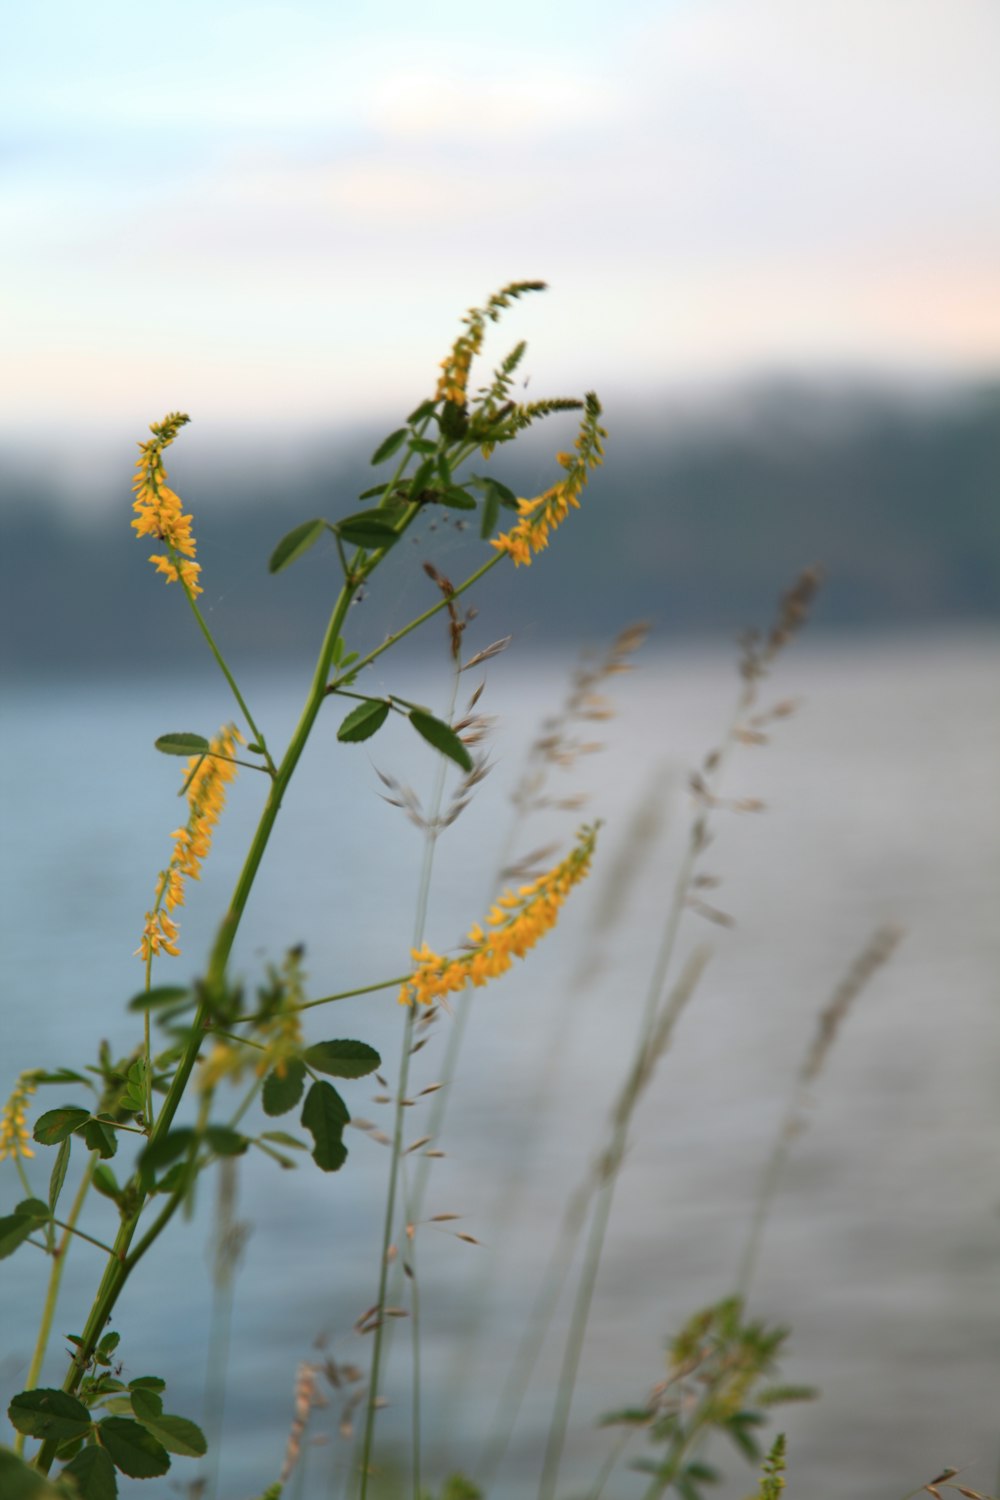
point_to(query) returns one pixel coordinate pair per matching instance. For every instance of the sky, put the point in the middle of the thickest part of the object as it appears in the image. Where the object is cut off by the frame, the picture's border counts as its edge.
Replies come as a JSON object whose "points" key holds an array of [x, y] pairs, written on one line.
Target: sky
{"points": [[275, 214]]}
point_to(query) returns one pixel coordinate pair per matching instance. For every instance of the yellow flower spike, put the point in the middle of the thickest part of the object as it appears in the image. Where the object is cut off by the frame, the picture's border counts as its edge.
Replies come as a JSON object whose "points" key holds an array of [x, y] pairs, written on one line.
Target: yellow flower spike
{"points": [[541, 515], [453, 381], [207, 777], [15, 1137], [159, 511], [516, 922]]}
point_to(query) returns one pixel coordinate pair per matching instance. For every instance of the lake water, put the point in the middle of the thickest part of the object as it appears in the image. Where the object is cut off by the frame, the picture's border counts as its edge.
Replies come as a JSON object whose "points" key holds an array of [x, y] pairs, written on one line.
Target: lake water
{"points": [[883, 1251]]}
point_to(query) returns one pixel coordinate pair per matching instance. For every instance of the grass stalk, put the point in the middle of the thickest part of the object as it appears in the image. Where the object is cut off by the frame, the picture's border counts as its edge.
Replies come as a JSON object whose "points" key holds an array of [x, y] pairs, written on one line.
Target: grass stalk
{"points": [[380, 1339]]}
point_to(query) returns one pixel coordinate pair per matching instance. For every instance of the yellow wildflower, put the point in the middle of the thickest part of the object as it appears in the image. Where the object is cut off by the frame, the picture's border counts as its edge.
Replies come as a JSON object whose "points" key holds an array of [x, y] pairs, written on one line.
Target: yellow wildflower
{"points": [[454, 378], [207, 777], [15, 1137], [515, 924], [540, 516], [159, 512]]}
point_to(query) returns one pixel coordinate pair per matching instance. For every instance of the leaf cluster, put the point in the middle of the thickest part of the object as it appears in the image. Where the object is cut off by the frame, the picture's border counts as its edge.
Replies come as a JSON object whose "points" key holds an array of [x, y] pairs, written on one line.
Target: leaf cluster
{"points": [[716, 1382], [108, 1428]]}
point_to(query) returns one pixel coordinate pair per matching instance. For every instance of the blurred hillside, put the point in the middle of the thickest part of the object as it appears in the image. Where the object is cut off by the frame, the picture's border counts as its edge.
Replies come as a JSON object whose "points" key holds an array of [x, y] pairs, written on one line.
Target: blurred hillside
{"points": [[699, 518]]}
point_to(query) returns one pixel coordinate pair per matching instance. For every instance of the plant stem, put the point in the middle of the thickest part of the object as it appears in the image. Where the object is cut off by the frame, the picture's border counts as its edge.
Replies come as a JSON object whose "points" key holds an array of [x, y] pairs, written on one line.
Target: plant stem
{"points": [[428, 614], [122, 1263], [22, 1174], [55, 1278], [364, 989], [203, 627]]}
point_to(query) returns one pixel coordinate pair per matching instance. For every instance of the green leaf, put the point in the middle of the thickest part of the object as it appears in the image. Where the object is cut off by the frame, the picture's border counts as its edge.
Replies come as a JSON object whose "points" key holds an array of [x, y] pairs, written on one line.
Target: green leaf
{"points": [[160, 994], [181, 744], [441, 737], [226, 1142], [14, 1230], [390, 445], [364, 721], [56, 1124], [105, 1182], [423, 410], [148, 1383], [422, 445], [19, 1482], [45, 1413], [456, 498], [343, 1059], [376, 489], [490, 486], [294, 544], [100, 1137], [158, 1153], [282, 1138], [93, 1473], [421, 479], [35, 1209], [59, 1173], [490, 516], [324, 1115], [62, 1075], [146, 1403], [279, 1095], [367, 529], [109, 1343], [177, 1435], [132, 1449]]}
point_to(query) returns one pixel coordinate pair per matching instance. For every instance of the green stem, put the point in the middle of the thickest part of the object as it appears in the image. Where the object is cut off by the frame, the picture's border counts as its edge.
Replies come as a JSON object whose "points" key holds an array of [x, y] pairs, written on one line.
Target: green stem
{"points": [[72, 1229], [428, 614], [55, 1279], [364, 989], [387, 1228], [122, 1263], [22, 1174], [220, 659]]}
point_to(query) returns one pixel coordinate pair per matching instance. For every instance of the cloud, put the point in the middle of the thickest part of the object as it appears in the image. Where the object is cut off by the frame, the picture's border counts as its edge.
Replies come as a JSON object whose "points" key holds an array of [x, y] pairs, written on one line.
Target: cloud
{"points": [[710, 186]]}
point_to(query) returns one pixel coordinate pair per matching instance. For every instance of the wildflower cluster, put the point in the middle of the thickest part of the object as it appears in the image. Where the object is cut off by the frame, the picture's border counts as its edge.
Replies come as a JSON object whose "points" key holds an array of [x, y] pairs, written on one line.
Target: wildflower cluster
{"points": [[14, 1135], [207, 776], [540, 516], [515, 924], [454, 378], [159, 512]]}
